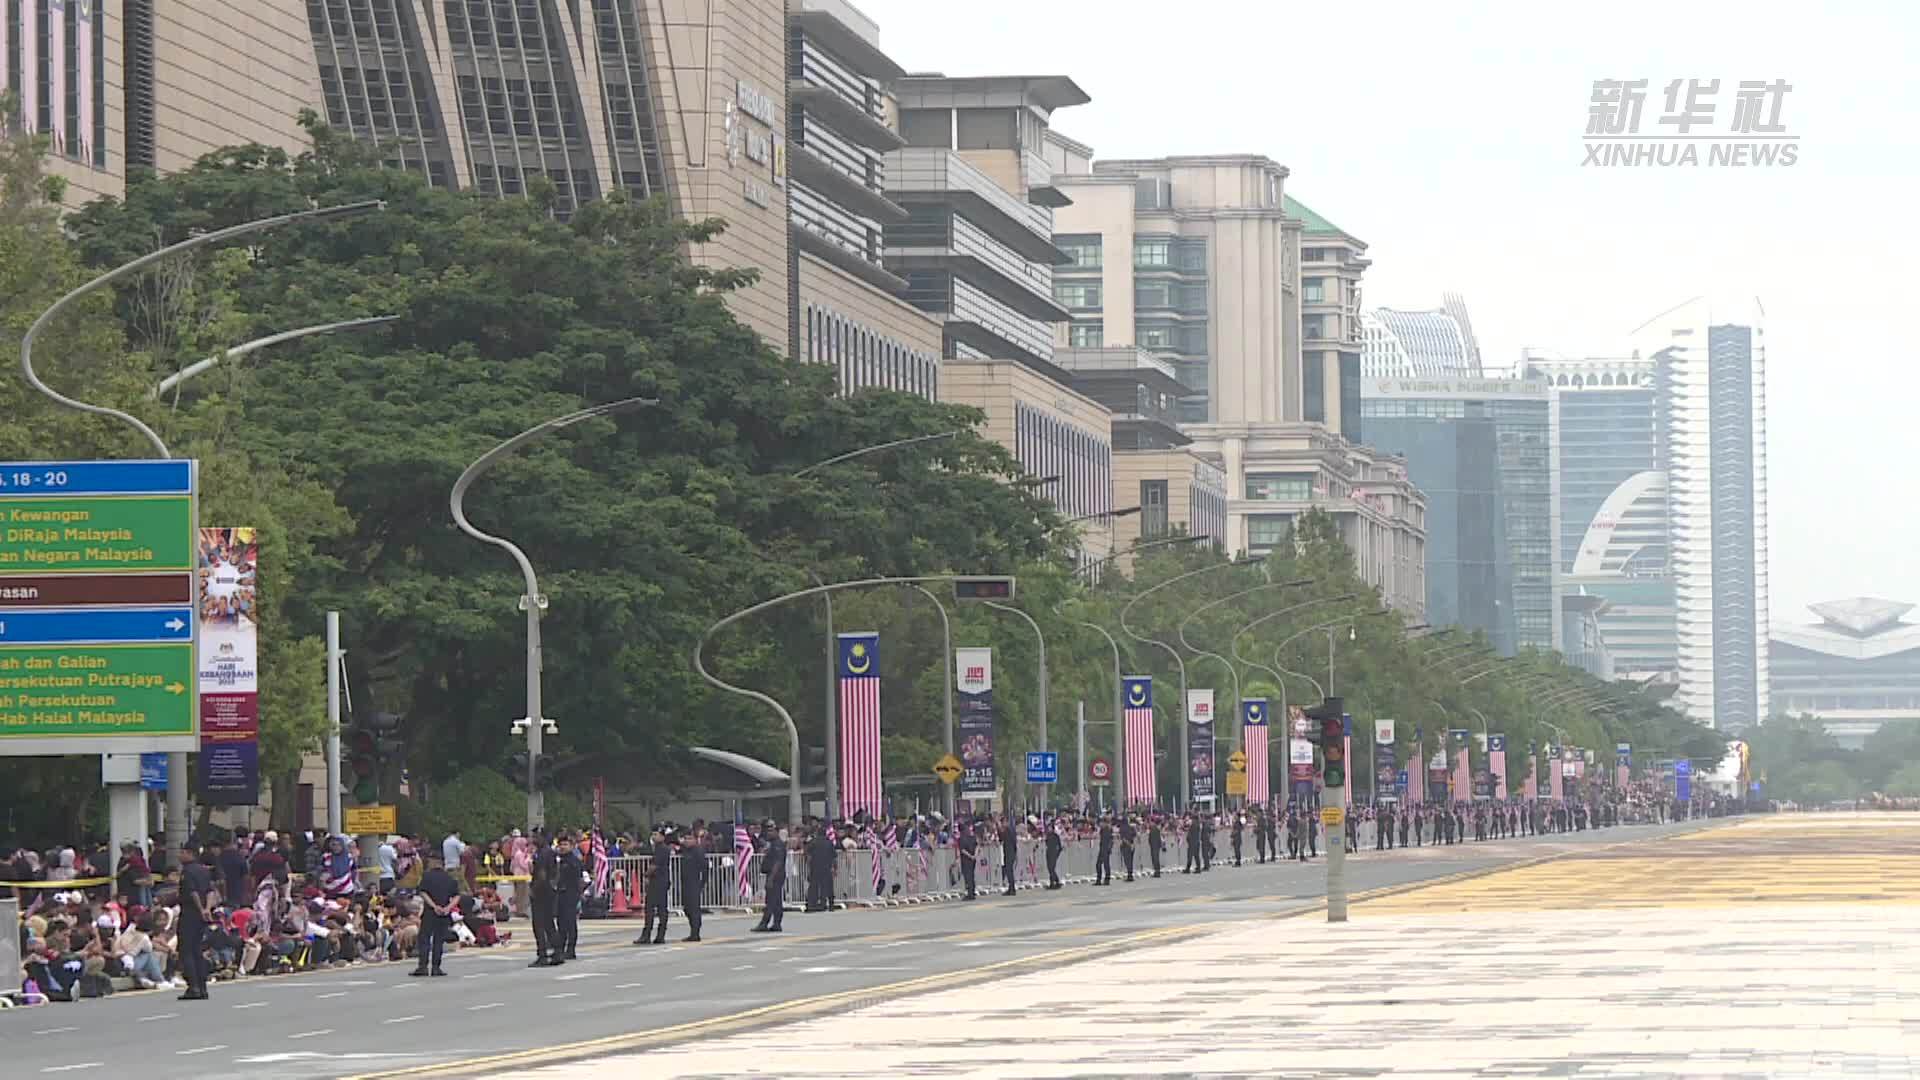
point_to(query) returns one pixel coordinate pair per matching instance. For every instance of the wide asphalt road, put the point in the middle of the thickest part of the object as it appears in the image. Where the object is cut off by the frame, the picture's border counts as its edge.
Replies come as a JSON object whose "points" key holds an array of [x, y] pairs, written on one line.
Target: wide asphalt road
{"points": [[374, 1018]]}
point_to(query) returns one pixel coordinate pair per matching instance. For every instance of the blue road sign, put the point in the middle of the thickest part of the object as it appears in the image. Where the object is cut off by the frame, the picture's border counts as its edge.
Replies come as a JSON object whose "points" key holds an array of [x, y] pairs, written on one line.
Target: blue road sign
{"points": [[153, 772], [96, 478], [61, 627], [1043, 767]]}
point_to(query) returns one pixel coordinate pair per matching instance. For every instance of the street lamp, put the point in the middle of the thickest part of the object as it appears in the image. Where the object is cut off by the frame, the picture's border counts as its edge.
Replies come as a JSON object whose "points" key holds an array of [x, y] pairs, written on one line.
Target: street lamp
{"points": [[532, 603], [1125, 511], [177, 780], [1324, 691], [1165, 541], [946, 666], [1233, 645], [1232, 672], [174, 380], [1119, 709], [1042, 638], [878, 447]]}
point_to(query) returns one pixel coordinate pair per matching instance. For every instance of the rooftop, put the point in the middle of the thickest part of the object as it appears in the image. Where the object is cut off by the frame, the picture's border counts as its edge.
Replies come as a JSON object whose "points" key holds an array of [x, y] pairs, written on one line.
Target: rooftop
{"points": [[1315, 224]]}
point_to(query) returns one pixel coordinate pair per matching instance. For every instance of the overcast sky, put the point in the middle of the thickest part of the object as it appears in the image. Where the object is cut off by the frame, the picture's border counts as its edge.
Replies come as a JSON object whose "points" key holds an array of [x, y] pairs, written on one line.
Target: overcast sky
{"points": [[1449, 138]]}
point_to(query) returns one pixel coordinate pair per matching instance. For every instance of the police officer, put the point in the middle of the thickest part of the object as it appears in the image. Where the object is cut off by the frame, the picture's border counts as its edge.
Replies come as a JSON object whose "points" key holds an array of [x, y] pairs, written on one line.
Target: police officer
{"points": [[542, 888], [1194, 845], [196, 914], [820, 859], [659, 879], [568, 882], [1128, 833], [693, 880], [1009, 851], [1259, 836], [1239, 826], [1156, 843], [969, 848], [1103, 864], [1054, 845], [773, 861]]}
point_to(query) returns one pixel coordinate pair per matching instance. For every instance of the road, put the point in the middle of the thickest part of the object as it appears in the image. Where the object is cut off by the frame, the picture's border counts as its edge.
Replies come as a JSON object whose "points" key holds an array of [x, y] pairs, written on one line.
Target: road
{"points": [[372, 1018], [1780, 946]]}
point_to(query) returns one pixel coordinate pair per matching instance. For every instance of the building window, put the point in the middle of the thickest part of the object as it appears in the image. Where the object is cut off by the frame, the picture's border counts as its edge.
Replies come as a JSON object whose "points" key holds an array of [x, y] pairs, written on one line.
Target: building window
{"points": [[1156, 337], [1313, 389], [1313, 326], [1086, 335], [1153, 509], [1267, 531], [1153, 294], [1077, 294], [1083, 252], [1316, 290], [1153, 253], [1280, 487], [1313, 255]]}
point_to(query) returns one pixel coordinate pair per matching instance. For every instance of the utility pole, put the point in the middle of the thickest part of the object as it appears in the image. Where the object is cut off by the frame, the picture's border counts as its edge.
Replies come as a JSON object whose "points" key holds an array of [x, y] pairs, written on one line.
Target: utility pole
{"points": [[335, 657]]}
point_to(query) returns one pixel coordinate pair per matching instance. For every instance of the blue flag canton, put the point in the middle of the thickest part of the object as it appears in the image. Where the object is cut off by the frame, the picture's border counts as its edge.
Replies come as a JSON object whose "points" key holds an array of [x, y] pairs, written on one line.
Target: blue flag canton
{"points": [[1497, 744], [1137, 691], [859, 656], [1253, 712]]}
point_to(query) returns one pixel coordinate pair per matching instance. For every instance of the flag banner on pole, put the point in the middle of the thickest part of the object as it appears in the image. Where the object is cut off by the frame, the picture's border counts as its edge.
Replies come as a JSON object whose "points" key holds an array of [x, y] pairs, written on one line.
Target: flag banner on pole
{"points": [[742, 856], [1683, 780], [1253, 737], [84, 26], [1416, 776], [1622, 764], [1386, 774], [1299, 750], [1346, 747], [1497, 763], [30, 85], [1462, 767], [1383, 733], [973, 683], [1532, 787], [1137, 695], [860, 786], [57, 73], [229, 675], [1556, 779], [1200, 744]]}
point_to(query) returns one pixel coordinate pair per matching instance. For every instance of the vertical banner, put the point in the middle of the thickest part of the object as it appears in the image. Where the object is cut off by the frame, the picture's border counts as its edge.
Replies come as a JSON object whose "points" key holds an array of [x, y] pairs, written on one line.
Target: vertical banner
{"points": [[1416, 774], [6, 66], [1557, 784], [1346, 748], [860, 784], [1462, 764], [973, 721], [57, 74], [1253, 737], [1622, 764], [1497, 764], [1142, 783], [1386, 770], [29, 69], [229, 676], [1440, 790], [1683, 780], [84, 27], [1531, 789], [1200, 744]]}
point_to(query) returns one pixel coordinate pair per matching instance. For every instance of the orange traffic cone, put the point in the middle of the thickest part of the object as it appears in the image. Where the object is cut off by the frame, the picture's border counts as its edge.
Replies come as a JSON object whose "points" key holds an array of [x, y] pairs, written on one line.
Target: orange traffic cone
{"points": [[619, 893], [637, 902]]}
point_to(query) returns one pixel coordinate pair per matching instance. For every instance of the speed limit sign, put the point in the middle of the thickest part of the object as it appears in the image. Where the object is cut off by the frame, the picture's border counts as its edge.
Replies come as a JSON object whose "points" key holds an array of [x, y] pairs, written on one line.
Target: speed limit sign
{"points": [[1100, 771]]}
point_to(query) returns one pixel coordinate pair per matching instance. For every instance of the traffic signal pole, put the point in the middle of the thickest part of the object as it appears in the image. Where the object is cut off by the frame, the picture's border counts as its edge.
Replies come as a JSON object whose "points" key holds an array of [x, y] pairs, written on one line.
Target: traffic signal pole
{"points": [[1333, 802], [335, 820]]}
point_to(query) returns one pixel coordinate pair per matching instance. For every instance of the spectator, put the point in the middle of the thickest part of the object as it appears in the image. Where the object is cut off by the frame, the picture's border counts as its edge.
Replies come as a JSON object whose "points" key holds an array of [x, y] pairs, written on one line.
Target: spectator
{"points": [[137, 955]]}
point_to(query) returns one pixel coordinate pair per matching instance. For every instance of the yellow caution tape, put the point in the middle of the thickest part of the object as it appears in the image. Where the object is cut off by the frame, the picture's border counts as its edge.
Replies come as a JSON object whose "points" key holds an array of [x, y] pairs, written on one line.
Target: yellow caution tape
{"points": [[78, 883]]}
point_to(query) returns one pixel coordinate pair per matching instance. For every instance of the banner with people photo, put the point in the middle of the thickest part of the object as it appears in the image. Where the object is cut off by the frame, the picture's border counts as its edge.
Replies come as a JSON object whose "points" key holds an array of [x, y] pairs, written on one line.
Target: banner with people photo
{"points": [[229, 675], [1200, 744], [973, 722]]}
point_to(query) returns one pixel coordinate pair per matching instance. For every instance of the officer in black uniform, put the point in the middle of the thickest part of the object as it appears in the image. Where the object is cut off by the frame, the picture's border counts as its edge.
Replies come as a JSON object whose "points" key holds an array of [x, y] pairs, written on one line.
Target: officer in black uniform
{"points": [[1009, 851], [693, 880], [773, 862], [1156, 843], [659, 881], [1053, 854], [1128, 833], [1194, 845], [568, 883], [969, 847], [1103, 863], [820, 858], [196, 914], [545, 876], [1259, 836], [1239, 826]]}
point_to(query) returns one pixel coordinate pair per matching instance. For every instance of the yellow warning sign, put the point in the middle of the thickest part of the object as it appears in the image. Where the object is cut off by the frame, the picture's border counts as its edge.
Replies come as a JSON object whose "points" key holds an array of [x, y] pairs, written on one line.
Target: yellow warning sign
{"points": [[1331, 816], [1238, 761], [1236, 783], [947, 769]]}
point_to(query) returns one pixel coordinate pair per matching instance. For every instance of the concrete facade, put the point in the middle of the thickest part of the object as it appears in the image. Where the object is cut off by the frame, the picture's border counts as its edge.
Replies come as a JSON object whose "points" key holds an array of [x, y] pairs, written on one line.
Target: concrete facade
{"points": [[1177, 491], [1857, 669]]}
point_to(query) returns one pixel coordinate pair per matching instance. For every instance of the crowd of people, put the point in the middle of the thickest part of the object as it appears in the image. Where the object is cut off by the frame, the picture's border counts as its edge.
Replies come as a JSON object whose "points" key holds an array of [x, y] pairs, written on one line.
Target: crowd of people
{"points": [[267, 903]]}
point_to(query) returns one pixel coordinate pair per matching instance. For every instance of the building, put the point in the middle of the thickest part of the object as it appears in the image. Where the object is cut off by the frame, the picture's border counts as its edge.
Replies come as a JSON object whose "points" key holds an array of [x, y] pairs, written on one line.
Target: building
{"points": [[152, 84], [1478, 449], [849, 309], [1435, 344], [1856, 669], [1331, 335], [1623, 560], [1710, 398]]}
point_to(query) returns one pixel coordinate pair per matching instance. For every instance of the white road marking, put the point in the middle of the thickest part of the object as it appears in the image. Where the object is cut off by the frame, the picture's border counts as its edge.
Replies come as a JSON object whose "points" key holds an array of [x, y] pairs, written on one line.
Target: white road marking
{"points": [[488, 1005], [162, 1016], [744, 967], [568, 994], [769, 948], [70, 1068], [402, 1019], [689, 975], [482, 975], [56, 1031], [202, 1050], [335, 994], [252, 1005], [581, 975], [616, 986], [830, 970], [312, 1034]]}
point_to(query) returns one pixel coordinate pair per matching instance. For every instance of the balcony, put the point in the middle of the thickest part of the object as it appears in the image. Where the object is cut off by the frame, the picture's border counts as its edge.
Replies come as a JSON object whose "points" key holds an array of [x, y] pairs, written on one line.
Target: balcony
{"points": [[840, 170], [853, 104], [921, 175], [939, 238]]}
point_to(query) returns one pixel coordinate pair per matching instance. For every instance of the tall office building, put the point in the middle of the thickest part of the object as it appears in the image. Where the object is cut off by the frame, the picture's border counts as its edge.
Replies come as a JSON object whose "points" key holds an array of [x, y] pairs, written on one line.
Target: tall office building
{"points": [[1479, 450], [1710, 379], [1436, 344], [1857, 669]]}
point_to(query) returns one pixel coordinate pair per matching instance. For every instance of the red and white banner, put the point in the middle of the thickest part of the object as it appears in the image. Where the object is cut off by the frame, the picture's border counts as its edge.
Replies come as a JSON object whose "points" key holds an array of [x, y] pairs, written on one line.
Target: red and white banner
{"points": [[1253, 739], [1497, 763], [1531, 789], [1142, 784], [1416, 775], [860, 783], [1556, 779], [1462, 767]]}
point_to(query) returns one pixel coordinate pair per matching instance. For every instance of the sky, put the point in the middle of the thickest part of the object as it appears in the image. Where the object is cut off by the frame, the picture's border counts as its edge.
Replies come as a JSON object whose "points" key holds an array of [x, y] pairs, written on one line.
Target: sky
{"points": [[1449, 138]]}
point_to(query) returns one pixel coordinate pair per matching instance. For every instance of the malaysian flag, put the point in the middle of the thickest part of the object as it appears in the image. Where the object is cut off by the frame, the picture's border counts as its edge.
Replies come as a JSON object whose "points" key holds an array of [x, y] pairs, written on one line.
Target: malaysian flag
{"points": [[1142, 786], [1497, 761], [1462, 770], [1531, 789], [743, 855], [860, 787], [1253, 740], [597, 858], [1417, 769]]}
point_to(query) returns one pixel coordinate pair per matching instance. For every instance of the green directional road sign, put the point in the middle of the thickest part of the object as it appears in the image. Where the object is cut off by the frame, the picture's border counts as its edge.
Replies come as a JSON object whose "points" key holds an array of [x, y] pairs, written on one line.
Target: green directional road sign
{"points": [[95, 533], [98, 607]]}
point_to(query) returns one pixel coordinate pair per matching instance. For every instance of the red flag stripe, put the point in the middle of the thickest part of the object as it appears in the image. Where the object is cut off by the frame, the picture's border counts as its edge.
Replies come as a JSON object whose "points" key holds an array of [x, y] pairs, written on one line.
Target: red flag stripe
{"points": [[860, 786], [1142, 785], [1255, 738]]}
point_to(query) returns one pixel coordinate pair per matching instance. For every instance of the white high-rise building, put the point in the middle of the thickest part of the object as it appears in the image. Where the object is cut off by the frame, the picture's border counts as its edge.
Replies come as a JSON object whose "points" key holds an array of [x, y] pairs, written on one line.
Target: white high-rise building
{"points": [[1436, 344], [1710, 395]]}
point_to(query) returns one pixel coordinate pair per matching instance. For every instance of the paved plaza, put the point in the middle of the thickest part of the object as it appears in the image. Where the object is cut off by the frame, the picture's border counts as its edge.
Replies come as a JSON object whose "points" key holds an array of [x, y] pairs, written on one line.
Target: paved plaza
{"points": [[1780, 947]]}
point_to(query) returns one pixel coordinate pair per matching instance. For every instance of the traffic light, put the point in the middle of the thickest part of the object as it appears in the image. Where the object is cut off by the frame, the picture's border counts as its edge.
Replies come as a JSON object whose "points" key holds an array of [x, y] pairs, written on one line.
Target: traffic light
{"points": [[983, 588], [362, 750], [386, 729], [1328, 728], [543, 769]]}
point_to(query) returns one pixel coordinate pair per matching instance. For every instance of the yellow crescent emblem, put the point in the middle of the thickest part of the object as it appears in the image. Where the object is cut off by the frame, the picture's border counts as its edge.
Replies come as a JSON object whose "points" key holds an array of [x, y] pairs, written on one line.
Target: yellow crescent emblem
{"points": [[1253, 712], [858, 662], [1137, 695]]}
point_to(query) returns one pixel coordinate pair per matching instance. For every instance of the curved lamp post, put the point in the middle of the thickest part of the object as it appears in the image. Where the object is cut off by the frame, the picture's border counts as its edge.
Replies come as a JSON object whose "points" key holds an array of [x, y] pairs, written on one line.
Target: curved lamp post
{"points": [[174, 380], [1233, 646], [1042, 638], [532, 603], [1238, 740], [1119, 707], [176, 817], [1165, 541], [946, 666]]}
